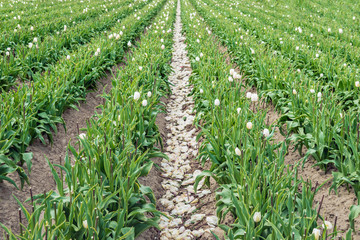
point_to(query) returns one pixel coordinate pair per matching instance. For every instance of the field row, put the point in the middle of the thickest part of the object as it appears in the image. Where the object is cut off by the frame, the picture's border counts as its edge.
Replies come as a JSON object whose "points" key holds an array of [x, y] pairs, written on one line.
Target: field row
{"points": [[98, 195]]}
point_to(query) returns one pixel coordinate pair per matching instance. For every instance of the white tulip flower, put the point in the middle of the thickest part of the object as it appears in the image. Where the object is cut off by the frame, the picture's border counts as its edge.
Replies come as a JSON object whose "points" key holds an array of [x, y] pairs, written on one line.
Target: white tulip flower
{"points": [[140, 68], [30, 45], [357, 84], [340, 31], [230, 79], [85, 224], [237, 151], [31, 28], [129, 44], [294, 92], [254, 97], [257, 217], [201, 90], [144, 103], [249, 125], [7, 54], [312, 91], [136, 96], [316, 233], [217, 102], [82, 136], [162, 47], [197, 59], [238, 110], [329, 29], [266, 132], [232, 71], [149, 94], [328, 225], [248, 95], [35, 40], [68, 57]]}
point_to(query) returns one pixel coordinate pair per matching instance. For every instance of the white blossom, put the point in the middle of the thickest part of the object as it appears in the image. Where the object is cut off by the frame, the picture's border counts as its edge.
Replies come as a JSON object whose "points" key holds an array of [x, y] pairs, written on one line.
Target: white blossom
{"points": [[136, 96], [257, 217]]}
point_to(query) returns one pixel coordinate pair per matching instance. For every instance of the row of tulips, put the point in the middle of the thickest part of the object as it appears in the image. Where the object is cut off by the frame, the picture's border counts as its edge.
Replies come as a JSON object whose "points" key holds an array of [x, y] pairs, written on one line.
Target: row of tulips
{"points": [[23, 61], [246, 163], [98, 194], [317, 115], [38, 107]]}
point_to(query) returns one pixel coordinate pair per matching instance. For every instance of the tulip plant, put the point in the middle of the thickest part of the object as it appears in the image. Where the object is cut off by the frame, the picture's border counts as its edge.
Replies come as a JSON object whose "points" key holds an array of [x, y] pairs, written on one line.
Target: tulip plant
{"points": [[98, 194]]}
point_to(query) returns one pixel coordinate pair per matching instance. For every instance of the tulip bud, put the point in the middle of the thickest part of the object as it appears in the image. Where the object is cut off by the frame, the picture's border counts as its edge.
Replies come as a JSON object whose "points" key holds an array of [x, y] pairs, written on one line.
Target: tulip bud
{"points": [[82, 136], [316, 233], [85, 224], [136, 96], [232, 71], [266, 132], [237, 151], [257, 217], [254, 97]]}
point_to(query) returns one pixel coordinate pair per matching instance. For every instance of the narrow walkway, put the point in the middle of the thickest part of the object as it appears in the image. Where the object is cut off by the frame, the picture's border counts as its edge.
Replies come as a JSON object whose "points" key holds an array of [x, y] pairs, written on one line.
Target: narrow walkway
{"points": [[188, 213]]}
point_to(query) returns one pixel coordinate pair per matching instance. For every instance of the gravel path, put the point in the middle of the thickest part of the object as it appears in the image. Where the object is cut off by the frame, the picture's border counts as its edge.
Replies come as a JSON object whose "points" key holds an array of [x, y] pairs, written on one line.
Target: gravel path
{"points": [[188, 220]]}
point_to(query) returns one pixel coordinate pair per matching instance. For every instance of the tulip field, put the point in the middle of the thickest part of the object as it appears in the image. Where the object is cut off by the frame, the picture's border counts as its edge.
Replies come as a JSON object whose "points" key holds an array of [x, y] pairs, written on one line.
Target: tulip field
{"points": [[180, 119]]}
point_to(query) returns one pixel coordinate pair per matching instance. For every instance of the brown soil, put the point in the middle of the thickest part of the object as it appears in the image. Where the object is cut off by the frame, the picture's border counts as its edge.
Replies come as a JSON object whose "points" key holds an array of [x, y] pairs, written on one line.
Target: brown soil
{"points": [[41, 178]]}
